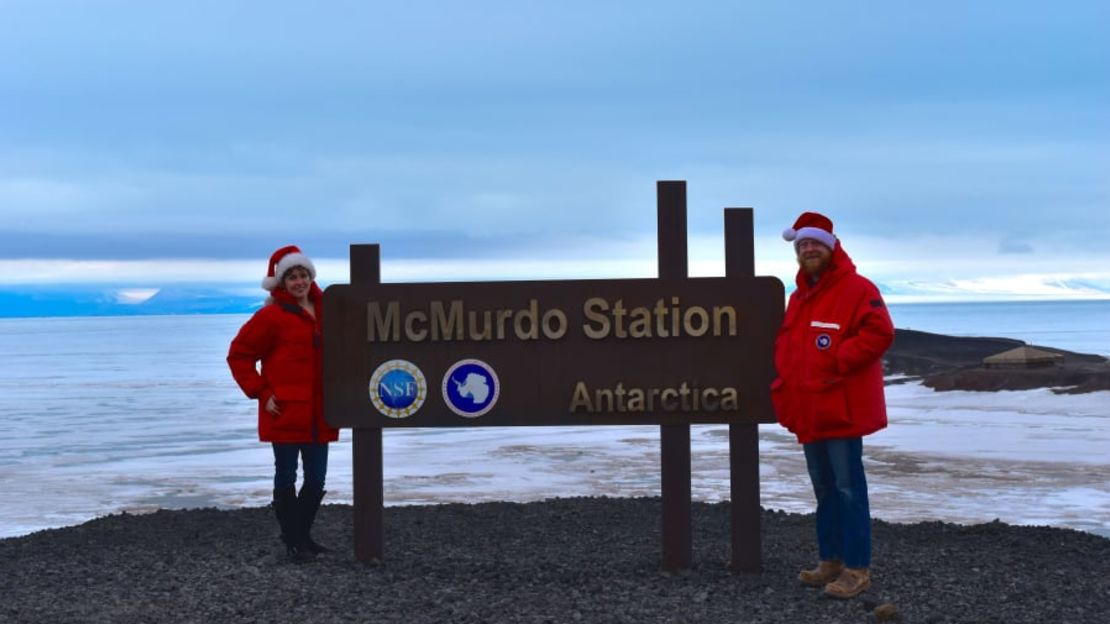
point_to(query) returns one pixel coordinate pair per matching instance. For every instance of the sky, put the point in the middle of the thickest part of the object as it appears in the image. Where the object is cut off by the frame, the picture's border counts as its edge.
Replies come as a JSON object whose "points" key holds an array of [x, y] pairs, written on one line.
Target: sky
{"points": [[960, 148]]}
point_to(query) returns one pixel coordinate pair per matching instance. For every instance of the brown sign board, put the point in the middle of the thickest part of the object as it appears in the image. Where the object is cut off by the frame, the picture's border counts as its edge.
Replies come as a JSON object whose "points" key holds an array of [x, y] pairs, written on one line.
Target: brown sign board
{"points": [[579, 352]]}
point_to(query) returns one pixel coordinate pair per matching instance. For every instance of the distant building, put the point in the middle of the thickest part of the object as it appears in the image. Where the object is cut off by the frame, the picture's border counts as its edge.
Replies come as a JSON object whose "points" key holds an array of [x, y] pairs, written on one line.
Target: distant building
{"points": [[1023, 357]]}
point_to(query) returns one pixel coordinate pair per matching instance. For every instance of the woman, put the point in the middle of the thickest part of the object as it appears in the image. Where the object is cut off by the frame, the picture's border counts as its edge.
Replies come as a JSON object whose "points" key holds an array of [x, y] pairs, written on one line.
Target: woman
{"points": [[285, 335]]}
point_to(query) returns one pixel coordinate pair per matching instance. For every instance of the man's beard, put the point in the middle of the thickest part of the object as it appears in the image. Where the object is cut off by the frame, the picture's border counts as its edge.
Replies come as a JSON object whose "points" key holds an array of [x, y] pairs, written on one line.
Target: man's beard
{"points": [[813, 267]]}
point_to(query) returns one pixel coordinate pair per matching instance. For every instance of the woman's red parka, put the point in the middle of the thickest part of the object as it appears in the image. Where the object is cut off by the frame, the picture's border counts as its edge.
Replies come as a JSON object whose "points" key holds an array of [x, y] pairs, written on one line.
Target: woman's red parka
{"points": [[287, 341], [828, 354]]}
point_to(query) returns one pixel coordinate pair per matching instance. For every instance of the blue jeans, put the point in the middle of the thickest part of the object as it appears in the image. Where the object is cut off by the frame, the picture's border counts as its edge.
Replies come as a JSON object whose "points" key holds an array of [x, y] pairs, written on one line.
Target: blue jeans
{"points": [[843, 512], [314, 458]]}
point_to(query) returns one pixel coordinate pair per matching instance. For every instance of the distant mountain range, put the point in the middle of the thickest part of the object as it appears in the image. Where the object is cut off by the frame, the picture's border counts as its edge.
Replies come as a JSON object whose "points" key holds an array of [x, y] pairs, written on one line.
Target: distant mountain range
{"points": [[107, 300]]}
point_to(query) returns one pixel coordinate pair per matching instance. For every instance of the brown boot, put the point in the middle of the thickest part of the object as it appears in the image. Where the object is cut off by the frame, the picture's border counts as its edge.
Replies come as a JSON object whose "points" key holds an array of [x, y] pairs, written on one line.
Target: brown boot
{"points": [[825, 573], [852, 582]]}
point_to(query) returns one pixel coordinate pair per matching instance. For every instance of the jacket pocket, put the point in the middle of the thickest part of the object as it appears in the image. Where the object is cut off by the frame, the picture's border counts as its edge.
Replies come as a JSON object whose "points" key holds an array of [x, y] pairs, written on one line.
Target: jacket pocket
{"points": [[785, 412], [296, 408], [824, 341], [829, 404]]}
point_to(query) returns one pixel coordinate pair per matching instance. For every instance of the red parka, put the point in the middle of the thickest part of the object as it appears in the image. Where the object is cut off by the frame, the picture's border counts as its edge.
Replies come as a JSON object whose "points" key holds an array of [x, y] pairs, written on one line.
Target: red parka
{"points": [[287, 340], [828, 355]]}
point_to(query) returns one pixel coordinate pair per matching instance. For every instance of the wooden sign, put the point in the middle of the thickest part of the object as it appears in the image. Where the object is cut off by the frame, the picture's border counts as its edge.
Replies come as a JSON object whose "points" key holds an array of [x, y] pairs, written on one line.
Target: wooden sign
{"points": [[590, 352], [673, 350]]}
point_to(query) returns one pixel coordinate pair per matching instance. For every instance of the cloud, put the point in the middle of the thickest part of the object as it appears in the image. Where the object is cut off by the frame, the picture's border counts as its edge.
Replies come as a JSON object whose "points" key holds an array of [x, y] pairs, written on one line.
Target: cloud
{"points": [[483, 140], [1001, 287], [1014, 246], [486, 205]]}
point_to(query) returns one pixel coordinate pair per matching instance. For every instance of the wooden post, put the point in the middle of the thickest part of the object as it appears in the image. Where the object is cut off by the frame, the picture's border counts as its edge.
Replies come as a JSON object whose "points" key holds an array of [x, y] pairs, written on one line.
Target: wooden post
{"points": [[368, 478], [366, 445], [674, 439], [743, 439]]}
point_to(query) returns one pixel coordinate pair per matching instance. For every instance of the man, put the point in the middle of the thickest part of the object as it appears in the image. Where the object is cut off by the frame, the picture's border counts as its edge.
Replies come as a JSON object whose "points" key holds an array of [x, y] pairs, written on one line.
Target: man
{"points": [[829, 393]]}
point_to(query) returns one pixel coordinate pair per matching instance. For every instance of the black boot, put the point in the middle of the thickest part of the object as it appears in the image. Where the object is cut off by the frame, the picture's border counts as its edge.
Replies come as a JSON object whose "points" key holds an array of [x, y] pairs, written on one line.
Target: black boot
{"points": [[309, 503], [288, 515]]}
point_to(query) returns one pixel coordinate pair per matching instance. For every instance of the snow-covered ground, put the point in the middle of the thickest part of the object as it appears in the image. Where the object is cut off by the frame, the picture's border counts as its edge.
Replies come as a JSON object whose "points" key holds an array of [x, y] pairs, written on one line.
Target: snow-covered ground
{"points": [[1024, 457], [103, 415]]}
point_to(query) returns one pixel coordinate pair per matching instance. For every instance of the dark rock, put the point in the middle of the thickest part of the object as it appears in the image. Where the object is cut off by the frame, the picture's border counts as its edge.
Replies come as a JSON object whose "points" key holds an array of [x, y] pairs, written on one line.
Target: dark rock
{"points": [[563, 560], [886, 612], [956, 363]]}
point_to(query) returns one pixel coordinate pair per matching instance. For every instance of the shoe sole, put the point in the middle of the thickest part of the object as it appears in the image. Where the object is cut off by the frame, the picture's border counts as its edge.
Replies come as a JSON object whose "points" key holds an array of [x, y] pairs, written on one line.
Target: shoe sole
{"points": [[815, 582], [866, 586]]}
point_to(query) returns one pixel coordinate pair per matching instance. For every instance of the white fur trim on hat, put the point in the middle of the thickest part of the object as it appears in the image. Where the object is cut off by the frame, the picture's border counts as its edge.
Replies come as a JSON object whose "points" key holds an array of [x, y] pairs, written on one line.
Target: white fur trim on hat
{"points": [[288, 261], [817, 234]]}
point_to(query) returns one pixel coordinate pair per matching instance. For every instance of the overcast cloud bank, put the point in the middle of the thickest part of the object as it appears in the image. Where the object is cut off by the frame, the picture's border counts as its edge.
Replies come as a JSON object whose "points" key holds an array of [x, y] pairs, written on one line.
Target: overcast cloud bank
{"points": [[954, 144]]}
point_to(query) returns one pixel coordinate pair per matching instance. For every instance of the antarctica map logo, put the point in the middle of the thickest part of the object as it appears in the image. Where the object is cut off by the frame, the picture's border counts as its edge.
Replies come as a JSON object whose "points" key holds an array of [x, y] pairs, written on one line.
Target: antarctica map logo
{"points": [[470, 388], [824, 341], [398, 388]]}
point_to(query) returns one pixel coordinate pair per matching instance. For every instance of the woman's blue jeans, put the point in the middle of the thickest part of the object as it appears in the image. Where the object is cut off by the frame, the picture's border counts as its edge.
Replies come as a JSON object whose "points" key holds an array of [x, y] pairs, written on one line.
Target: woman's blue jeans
{"points": [[314, 458], [843, 512]]}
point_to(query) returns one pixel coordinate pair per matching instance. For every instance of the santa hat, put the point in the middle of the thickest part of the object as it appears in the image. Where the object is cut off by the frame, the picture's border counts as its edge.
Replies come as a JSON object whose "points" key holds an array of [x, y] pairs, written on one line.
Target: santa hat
{"points": [[811, 225], [284, 259]]}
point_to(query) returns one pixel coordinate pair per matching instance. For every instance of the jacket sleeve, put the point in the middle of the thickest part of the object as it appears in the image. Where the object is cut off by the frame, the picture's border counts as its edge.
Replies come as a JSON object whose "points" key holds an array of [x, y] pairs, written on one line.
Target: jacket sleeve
{"points": [[250, 346], [874, 336], [782, 337]]}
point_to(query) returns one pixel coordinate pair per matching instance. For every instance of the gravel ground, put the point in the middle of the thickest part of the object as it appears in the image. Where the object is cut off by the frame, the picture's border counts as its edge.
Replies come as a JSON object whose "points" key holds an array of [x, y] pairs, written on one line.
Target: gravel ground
{"points": [[562, 560]]}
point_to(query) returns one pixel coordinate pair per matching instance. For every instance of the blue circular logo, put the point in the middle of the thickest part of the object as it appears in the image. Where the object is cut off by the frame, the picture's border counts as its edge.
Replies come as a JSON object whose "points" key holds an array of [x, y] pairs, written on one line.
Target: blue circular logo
{"points": [[470, 388], [824, 341], [398, 388]]}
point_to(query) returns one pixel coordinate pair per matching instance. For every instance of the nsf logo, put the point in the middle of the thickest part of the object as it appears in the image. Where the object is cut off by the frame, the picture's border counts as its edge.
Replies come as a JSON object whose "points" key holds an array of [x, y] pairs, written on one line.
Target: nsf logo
{"points": [[470, 388], [398, 388]]}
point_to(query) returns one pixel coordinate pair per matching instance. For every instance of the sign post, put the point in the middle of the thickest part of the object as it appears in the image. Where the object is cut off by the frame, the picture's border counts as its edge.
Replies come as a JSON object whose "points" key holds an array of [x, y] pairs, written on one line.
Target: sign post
{"points": [[368, 480], [671, 351], [674, 440], [743, 438]]}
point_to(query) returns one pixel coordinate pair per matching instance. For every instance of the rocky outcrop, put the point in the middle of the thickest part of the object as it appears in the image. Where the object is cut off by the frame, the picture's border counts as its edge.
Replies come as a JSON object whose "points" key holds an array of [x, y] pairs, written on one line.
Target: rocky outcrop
{"points": [[956, 363]]}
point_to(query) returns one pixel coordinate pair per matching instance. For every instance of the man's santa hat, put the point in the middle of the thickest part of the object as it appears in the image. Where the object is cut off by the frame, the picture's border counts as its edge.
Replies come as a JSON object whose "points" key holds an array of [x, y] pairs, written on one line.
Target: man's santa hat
{"points": [[281, 261], [814, 226]]}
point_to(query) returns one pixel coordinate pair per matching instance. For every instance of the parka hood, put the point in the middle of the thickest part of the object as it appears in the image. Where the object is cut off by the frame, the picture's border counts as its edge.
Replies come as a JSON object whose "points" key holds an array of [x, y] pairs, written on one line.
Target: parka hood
{"points": [[840, 265]]}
